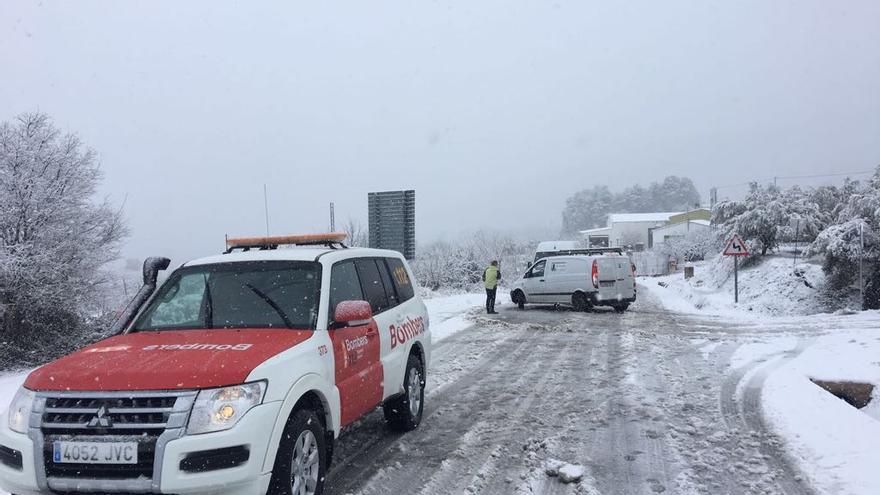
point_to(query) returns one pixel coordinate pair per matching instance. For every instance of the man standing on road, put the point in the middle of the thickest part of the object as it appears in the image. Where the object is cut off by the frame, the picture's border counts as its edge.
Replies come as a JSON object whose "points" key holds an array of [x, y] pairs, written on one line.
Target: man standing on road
{"points": [[491, 277]]}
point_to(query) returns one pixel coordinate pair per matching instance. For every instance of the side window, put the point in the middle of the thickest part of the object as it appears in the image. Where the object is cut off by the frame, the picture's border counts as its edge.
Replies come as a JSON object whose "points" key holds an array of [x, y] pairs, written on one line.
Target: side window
{"points": [[371, 282], [538, 269], [390, 291], [344, 285], [401, 279]]}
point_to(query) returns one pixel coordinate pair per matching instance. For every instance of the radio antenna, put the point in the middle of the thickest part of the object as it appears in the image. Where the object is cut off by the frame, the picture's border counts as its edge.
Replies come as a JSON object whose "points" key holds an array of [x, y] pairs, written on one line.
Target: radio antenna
{"points": [[266, 206]]}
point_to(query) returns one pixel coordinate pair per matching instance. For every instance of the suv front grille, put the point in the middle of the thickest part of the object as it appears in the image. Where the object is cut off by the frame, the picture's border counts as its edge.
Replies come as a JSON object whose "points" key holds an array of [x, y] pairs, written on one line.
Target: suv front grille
{"points": [[142, 417]]}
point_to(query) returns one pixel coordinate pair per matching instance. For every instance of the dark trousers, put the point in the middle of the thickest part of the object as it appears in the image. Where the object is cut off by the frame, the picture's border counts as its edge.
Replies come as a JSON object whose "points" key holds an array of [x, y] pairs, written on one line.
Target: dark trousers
{"points": [[490, 300]]}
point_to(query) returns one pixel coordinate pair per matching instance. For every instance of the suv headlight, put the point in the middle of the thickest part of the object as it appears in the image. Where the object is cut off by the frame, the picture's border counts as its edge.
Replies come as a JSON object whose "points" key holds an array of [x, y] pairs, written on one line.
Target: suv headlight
{"points": [[219, 409], [20, 410]]}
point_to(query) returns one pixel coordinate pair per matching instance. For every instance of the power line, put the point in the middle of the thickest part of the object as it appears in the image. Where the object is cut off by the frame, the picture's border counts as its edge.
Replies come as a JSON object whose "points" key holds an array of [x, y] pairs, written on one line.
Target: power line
{"points": [[787, 177]]}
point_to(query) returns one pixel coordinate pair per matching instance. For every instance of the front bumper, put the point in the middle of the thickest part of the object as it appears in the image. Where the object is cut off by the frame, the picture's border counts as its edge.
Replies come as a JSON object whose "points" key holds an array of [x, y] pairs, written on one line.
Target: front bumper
{"points": [[252, 432]]}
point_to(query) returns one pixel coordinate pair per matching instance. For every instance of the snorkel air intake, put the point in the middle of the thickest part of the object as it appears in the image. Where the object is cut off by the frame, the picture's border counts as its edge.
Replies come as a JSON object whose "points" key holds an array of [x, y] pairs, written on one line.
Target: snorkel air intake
{"points": [[152, 267]]}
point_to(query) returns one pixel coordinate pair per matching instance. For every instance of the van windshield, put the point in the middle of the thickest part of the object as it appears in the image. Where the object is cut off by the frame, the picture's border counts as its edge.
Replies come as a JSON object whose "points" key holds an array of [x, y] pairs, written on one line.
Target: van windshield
{"points": [[255, 294]]}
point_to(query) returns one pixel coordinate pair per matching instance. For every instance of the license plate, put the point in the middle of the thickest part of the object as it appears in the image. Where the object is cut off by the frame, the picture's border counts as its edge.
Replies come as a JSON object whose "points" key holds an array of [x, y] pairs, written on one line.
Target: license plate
{"points": [[606, 283], [94, 452]]}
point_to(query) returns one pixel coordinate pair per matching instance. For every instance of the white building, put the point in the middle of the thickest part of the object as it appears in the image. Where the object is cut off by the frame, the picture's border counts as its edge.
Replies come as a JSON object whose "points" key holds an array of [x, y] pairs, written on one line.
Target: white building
{"points": [[678, 230], [627, 230]]}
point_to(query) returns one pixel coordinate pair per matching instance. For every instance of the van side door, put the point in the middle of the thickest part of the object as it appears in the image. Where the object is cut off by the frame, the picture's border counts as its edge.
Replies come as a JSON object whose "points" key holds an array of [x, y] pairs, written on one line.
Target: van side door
{"points": [[358, 369]]}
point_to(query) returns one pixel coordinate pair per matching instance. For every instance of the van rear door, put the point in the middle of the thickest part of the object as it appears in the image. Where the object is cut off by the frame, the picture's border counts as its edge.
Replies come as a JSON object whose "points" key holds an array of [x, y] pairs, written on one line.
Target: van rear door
{"points": [[615, 278]]}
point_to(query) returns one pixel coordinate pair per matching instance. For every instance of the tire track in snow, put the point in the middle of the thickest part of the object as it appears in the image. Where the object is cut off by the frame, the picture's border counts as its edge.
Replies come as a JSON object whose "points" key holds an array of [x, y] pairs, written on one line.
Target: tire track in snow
{"points": [[743, 413]]}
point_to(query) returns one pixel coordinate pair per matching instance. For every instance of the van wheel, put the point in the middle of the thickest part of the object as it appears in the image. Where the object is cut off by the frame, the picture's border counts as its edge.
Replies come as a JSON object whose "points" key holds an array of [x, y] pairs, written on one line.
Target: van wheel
{"points": [[301, 463], [519, 298], [404, 413], [580, 302], [620, 308]]}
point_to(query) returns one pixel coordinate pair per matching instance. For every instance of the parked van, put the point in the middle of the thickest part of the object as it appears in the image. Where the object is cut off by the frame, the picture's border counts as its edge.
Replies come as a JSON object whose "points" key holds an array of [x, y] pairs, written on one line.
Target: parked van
{"points": [[578, 280]]}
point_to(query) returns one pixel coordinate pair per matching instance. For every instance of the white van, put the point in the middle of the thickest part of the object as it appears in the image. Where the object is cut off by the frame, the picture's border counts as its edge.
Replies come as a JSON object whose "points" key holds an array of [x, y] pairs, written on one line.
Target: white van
{"points": [[578, 280]]}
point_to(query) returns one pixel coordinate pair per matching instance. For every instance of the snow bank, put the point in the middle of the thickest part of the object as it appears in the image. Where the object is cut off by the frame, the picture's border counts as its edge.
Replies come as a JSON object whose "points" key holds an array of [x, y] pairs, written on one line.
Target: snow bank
{"points": [[773, 287], [837, 445], [449, 314]]}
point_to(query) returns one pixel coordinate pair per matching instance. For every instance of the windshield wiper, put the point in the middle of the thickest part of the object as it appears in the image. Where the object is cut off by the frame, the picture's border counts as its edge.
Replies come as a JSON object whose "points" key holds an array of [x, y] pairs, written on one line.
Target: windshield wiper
{"points": [[271, 303], [209, 306]]}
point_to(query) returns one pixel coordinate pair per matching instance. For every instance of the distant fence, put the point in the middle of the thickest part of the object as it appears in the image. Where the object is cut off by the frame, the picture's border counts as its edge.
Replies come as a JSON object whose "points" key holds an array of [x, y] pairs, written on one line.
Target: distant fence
{"points": [[650, 264]]}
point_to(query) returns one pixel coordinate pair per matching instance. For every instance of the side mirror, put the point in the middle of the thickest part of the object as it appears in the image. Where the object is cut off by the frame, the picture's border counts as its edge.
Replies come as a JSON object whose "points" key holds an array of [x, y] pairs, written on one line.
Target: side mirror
{"points": [[353, 313], [528, 265]]}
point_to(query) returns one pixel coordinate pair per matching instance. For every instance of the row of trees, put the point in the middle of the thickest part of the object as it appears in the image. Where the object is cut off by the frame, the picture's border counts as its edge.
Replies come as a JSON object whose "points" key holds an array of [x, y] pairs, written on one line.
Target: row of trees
{"points": [[55, 237], [590, 207]]}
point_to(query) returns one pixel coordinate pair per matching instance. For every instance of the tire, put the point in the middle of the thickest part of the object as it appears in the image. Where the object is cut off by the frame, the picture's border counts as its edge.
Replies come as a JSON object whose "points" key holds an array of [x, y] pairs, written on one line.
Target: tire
{"points": [[519, 298], [404, 413], [580, 302], [620, 308], [297, 471]]}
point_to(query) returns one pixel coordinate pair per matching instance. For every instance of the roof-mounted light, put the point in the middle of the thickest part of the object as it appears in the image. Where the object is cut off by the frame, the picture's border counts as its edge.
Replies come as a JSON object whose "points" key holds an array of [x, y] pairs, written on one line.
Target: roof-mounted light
{"points": [[330, 239]]}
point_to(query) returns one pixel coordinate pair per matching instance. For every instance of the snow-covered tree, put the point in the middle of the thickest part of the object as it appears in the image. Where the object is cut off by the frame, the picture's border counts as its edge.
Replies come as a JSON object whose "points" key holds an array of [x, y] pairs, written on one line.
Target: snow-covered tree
{"points": [[587, 209], [54, 237], [857, 219]]}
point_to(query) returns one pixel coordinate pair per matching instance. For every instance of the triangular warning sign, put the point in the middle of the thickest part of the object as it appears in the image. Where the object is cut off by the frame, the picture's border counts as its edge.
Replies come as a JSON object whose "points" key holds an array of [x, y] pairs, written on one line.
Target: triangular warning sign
{"points": [[735, 247]]}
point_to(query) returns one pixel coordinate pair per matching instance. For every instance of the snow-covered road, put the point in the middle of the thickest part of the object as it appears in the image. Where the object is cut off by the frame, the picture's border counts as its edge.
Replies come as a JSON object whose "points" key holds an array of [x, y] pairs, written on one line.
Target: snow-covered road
{"points": [[647, 402]]}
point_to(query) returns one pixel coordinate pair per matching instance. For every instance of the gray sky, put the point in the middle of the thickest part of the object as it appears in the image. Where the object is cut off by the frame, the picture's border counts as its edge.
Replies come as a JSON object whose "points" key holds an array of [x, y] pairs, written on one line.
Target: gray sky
{"points": [[494, 111]]}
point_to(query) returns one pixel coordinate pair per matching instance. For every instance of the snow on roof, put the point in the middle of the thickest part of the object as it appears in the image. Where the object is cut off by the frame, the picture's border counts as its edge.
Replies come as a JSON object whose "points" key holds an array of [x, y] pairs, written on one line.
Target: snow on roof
{"points": [[642, 217], [605, 230], [557, 245]]}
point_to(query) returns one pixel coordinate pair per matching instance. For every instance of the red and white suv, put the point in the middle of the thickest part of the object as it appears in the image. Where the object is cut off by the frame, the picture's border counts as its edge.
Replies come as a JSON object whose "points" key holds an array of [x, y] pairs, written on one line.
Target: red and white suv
{"points": [[235, 376]]}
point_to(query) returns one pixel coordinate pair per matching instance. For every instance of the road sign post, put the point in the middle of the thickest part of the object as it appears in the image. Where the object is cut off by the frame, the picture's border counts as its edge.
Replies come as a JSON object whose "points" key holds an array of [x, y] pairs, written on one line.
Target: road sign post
{"points": [[735, 247]]}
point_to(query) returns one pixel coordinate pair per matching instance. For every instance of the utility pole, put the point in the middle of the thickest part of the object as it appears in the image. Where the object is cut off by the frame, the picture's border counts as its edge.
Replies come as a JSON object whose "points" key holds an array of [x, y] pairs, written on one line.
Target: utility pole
{"points": [[861, 260], [332, 218], [266, 206]]}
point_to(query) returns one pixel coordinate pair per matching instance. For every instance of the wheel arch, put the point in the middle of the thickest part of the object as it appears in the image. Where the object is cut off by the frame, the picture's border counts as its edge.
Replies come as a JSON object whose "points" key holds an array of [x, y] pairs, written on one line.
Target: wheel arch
{"points": [[309, 391]]}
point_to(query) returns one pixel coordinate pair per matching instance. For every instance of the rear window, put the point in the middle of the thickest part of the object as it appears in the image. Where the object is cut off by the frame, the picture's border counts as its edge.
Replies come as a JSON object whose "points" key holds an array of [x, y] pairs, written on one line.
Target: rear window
{"points": [[402, 282], [371, 282]]}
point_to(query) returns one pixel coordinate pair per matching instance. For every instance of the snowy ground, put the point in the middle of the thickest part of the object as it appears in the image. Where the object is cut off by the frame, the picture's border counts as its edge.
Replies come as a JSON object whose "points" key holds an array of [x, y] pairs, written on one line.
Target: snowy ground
{"points": [[776, 287], [651, 401]]}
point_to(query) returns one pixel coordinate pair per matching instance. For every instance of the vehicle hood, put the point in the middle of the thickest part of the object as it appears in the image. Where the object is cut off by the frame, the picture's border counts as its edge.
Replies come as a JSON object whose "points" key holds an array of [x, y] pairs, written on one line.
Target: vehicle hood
{"points": [[168, 360]]}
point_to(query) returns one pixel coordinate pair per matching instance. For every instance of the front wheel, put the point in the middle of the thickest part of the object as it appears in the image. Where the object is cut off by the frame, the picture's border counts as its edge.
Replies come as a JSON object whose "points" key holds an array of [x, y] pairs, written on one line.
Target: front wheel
{"points": [[519, 298], [404, 413], [301, 463]]}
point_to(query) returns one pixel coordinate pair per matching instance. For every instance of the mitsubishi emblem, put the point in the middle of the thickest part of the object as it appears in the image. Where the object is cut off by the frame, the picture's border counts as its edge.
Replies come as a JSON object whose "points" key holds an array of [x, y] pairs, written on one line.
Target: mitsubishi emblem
{"points": [[101, 419]]}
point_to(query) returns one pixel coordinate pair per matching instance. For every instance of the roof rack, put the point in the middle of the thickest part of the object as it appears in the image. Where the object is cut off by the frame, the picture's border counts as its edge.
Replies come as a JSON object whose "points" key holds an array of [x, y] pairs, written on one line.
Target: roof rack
{"points": [[333, 240]]}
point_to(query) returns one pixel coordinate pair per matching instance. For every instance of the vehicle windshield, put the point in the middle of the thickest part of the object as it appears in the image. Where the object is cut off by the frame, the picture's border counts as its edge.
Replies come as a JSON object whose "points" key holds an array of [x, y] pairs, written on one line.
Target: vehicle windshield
{"points": [[259, 294]]}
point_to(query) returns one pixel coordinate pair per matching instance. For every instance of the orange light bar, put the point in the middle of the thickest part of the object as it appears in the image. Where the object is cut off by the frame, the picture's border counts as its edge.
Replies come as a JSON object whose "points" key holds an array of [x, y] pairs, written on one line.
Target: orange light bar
{"points": [[285, 240]]}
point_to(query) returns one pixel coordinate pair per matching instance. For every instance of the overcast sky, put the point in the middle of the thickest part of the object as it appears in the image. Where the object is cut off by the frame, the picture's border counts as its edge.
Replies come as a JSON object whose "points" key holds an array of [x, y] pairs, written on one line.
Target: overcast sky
{"points": [[494, 111]]}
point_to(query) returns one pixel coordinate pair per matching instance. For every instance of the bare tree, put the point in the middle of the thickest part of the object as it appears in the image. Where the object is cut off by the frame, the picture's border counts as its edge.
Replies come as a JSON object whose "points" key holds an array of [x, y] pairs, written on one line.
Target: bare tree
{"points": [[54, 237], [358, 236]]}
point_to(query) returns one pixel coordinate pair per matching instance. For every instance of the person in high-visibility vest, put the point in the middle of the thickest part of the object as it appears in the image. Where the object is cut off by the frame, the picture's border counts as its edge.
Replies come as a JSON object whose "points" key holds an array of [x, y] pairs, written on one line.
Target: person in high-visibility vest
{"points": [[491, 277]]}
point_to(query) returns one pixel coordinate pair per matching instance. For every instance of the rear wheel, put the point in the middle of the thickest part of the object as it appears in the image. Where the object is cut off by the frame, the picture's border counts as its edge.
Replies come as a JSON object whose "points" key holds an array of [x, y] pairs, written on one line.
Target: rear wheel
{"points": [[301, 463], [404, 413], [580, 302], [620, 308]]}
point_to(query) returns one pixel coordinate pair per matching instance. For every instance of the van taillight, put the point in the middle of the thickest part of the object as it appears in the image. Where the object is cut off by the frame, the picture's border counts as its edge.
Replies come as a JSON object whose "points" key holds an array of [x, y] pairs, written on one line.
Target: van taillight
{"points": [[595, 273]]}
